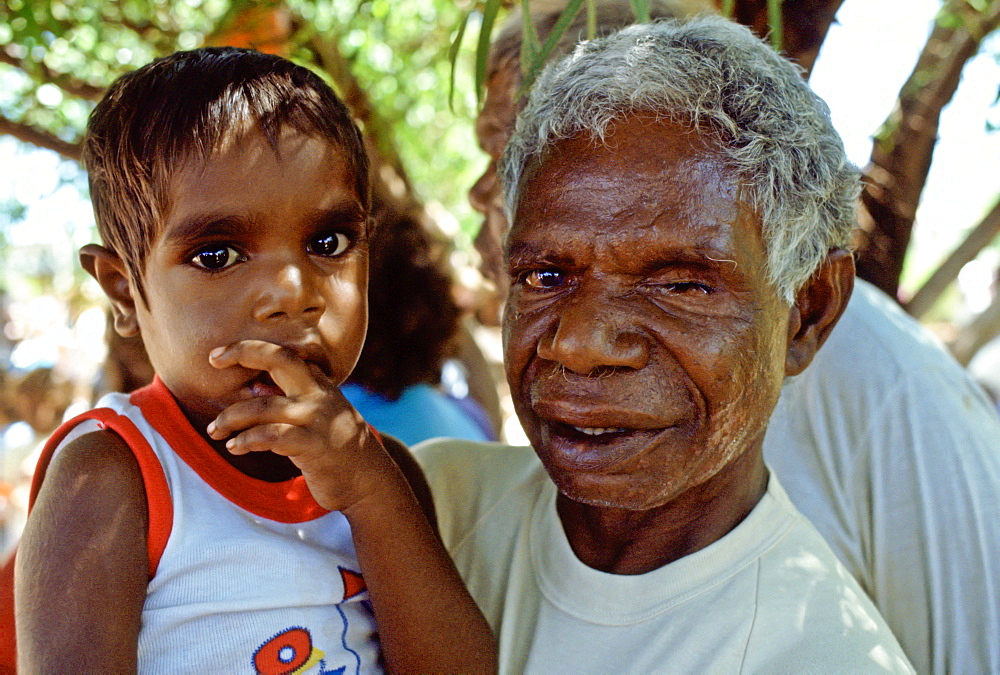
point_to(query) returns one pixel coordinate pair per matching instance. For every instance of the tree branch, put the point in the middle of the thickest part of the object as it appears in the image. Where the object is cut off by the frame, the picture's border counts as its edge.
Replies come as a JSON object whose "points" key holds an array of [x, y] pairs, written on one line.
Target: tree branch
{"points": [[389, 180], [978, 239], [977, 333], [329, 57], [41, 139], [904, 146], [806, 23]]}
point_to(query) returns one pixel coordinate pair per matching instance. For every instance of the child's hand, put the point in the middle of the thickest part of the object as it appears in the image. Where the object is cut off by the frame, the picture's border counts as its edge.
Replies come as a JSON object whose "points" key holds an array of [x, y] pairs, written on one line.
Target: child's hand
{"points": [[341, 458]]}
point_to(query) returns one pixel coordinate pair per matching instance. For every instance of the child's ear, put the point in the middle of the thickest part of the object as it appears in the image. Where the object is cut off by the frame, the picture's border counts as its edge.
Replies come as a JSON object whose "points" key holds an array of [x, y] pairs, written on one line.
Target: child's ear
{"points": [[109, 270], [817, 308]]}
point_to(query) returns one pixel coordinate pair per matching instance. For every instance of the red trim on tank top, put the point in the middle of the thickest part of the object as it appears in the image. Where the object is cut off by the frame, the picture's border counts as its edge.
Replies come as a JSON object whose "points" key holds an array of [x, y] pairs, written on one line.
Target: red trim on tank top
{"points": [[285, 502], [160, 508]]}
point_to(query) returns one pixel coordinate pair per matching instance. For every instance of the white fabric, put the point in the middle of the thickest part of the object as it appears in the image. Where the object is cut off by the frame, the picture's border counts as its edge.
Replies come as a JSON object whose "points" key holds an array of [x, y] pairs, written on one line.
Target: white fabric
{"points": [[230, 582], [768, 597], [893, 453]]}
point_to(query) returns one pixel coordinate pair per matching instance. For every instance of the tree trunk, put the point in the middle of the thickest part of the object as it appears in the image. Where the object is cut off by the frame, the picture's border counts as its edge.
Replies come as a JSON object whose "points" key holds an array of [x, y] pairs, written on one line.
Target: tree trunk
{"points": [[805, 25], [903, 148]]}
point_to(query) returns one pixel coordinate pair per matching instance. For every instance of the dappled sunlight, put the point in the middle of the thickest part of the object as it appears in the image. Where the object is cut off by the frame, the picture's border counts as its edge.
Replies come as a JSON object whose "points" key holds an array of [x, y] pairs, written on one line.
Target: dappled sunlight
{"points": [[853, 612]]}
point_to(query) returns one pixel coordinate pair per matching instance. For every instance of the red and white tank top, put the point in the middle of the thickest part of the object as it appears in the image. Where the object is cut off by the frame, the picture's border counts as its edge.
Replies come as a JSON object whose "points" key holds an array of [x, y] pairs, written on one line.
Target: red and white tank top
{"points": [[245, 575]]}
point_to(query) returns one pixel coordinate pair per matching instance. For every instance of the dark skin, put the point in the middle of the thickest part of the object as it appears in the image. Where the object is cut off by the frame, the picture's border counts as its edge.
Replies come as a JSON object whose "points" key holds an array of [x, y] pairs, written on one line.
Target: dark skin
{"points": [[254, 313], [645, 348]]}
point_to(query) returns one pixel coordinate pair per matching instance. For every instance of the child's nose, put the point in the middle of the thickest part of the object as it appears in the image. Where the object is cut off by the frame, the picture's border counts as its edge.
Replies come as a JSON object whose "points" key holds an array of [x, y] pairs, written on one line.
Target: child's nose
{"points": [[289, 293]]}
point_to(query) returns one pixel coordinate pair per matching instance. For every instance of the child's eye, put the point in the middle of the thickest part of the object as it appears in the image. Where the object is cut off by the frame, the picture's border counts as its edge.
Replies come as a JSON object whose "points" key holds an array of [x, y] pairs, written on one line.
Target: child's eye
{"points": [[330, 244], [217, 257]]}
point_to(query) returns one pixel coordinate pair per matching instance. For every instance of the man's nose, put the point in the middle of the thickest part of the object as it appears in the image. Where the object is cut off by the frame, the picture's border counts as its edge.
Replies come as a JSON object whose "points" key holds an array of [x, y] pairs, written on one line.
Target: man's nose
{"points": [[289, 291], [485, 190], [594, 334]]}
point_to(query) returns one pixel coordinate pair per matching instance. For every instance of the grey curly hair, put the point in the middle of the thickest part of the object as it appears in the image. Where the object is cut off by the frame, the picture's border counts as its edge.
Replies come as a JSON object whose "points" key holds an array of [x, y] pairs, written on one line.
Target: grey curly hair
{"points": [[753, 105]]}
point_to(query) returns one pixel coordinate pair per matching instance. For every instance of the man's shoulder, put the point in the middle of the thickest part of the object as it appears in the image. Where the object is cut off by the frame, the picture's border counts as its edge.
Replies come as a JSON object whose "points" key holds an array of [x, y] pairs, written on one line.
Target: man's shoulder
{"points": [[880, 368], [480, 488], [459, 455], [807, 602], [458, 469]]}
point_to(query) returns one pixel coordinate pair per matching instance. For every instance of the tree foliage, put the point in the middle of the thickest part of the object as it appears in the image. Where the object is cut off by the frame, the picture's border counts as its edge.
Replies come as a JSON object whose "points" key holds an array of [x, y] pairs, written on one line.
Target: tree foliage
{"points": [[388, 59], [412, 71], [904, 146]]}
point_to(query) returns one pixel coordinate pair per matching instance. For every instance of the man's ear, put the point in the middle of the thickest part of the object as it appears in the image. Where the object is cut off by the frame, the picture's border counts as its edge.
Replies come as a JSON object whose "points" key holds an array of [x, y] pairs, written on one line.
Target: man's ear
{"points": [[817, 308], [109, 270]]}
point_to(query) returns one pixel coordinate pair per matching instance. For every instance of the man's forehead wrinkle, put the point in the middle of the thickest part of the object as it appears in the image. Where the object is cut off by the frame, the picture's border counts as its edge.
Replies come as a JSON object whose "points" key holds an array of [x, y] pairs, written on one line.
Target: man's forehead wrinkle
{"points": [[612, 207]]}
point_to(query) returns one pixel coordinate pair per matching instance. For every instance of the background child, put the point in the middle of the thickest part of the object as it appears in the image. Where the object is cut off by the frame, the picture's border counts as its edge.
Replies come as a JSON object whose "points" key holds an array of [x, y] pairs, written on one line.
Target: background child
{"points": [[237, 513]]}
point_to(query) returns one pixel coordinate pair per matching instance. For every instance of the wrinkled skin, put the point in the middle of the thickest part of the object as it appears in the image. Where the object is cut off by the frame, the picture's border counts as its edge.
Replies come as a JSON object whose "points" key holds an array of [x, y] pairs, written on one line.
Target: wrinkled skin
{"points": [[644, 347]]}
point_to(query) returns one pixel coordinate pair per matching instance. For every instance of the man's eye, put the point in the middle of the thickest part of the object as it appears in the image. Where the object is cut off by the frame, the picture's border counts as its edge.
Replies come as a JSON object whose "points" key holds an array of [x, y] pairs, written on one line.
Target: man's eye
{"points": [[216, 258], [330, 244], [545, 279], [689, 287]]}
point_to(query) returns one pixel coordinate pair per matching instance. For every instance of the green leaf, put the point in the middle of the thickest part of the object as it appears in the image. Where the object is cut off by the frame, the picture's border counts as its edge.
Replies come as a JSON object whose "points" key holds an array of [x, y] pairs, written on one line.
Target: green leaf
{"points": [[456, 45], [535, 65], [529, 38], [483, 48], [641, 9], [775, 23]]}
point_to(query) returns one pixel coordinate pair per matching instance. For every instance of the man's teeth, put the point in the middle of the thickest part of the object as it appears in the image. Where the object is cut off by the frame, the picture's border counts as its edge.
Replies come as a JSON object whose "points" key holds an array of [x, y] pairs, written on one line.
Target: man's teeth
{"points": [[597, 431]]}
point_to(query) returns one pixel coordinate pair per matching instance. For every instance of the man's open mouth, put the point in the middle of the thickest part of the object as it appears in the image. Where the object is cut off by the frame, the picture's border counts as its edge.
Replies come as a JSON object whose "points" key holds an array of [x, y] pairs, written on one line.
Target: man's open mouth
{"points": [[596, 431], [597, 446], [590, 434]]}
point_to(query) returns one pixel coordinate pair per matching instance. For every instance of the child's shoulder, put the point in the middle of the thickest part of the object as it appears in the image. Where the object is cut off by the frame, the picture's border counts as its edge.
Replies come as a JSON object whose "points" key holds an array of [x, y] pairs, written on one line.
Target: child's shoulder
{"points": [[90, 450], [83, 551], [100, 451], [105, 433], [89, 467]]}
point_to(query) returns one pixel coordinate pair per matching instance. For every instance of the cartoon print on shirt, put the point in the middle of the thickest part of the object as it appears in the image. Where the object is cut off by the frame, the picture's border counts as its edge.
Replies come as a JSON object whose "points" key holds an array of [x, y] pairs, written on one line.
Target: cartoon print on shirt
{"points": [[291, 651]]}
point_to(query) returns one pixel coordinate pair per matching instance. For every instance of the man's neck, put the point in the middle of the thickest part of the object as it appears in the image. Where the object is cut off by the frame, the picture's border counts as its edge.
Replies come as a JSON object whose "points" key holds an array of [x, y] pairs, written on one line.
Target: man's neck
{"points": [[622, 541]]}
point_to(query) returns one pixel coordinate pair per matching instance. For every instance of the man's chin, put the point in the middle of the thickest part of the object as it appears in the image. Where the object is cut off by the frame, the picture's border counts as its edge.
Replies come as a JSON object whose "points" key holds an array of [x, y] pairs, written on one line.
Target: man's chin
{"points": [[615, 491]]}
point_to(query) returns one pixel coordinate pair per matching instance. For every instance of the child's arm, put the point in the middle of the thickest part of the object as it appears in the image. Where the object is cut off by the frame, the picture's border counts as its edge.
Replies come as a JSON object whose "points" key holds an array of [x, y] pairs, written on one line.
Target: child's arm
{"points": [[413, 474], [82, 566], [426, 618]]}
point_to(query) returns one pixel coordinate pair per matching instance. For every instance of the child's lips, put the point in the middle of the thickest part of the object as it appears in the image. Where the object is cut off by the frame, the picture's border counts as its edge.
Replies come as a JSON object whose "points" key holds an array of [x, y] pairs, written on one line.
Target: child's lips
{"points": [[263, 385]]}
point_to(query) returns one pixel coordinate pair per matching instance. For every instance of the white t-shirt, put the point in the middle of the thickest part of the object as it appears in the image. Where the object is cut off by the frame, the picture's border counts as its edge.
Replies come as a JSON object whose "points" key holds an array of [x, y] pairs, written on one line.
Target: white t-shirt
{"points": [[893, 452], [768, 597]]}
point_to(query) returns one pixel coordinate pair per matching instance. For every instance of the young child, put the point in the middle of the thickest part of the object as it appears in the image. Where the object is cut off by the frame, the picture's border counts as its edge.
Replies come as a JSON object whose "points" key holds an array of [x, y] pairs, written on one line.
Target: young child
{"points": [[237, 515]]}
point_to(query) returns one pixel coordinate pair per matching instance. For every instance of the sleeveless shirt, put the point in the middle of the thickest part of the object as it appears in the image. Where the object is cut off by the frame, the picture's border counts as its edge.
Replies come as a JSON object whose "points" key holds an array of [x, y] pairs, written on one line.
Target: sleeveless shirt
{"points": [[245, 575]]}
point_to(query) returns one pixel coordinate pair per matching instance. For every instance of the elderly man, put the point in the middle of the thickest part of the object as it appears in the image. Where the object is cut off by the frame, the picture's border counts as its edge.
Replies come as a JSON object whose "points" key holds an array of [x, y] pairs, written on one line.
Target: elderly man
{"points": [[884, 442], [680, 206]]}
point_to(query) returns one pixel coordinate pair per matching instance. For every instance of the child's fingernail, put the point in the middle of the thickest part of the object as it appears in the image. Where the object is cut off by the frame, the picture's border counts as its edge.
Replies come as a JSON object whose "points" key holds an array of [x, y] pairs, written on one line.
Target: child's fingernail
{"points": [[211, 428], [216, 353]]}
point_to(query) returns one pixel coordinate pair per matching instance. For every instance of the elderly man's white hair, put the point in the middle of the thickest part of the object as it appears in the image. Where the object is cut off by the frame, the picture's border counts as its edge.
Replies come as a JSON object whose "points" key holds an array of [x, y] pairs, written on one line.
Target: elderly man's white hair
{"points": [[714, 75]]}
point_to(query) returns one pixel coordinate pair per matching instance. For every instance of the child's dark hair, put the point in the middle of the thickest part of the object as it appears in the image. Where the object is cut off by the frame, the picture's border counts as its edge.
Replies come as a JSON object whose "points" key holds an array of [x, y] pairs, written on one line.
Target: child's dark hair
{"points": [[187, 104]]}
